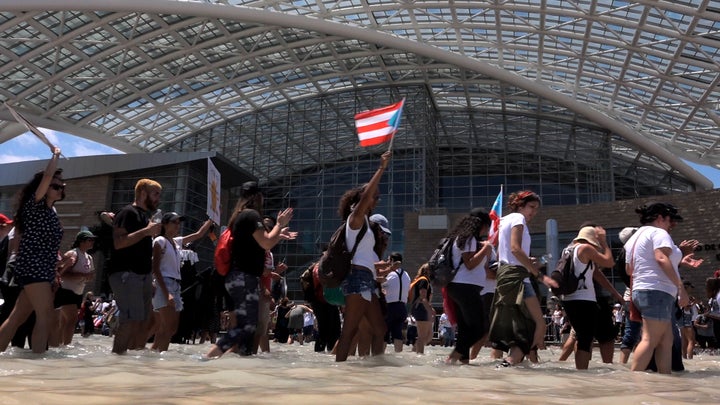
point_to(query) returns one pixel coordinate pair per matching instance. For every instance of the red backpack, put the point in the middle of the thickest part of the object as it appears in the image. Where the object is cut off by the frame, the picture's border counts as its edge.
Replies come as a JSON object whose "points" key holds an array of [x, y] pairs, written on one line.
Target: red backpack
{"points": [[223, 253]]}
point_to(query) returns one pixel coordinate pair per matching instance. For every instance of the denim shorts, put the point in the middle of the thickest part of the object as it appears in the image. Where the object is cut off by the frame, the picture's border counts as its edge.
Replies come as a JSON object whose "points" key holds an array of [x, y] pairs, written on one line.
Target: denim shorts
{"points": [[360, 281], [687, 321], [160, 300], [654, 304]]}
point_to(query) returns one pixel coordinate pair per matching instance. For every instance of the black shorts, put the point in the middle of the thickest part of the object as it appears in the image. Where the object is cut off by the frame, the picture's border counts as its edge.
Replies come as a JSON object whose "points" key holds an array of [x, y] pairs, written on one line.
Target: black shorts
{"points": [[588, 320], [420, 313], [67, 297], [606, 330], [396, 318]]}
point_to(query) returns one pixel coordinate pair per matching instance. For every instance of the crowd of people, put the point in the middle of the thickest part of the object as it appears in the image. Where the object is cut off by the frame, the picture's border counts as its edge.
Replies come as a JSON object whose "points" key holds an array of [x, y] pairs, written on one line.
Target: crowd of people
{"points": [[492, 301]]}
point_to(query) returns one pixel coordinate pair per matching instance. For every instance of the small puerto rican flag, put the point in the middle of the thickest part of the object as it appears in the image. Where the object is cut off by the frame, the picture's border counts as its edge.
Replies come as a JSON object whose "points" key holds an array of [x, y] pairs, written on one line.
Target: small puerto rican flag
{"points": [[377, 126], [495, 215]]}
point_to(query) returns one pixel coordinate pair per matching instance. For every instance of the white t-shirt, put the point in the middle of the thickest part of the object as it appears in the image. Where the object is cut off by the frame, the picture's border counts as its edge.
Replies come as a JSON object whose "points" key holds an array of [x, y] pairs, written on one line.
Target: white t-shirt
{"points": [[586, 288], [714, 304], [490, 284], [392, 286], [504, 250], [365, 255], [475, 276], [647, 274], [171, 258], [444, 321]]}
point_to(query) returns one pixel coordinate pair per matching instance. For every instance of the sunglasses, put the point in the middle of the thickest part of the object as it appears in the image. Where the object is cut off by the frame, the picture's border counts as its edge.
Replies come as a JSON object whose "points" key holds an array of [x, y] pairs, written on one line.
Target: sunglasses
{"points": [[57, 187]]}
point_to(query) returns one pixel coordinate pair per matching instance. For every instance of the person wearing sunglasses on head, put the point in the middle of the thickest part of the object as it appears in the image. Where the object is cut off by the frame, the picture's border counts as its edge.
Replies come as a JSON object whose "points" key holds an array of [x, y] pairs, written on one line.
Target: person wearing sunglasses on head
{"points": [[38, 226]]}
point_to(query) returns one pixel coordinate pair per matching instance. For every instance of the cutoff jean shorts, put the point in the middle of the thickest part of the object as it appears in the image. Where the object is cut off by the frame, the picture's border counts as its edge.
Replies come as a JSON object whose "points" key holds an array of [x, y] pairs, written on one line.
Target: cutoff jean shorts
{"points": [[654, 304], [160, 300], [360, 281]]}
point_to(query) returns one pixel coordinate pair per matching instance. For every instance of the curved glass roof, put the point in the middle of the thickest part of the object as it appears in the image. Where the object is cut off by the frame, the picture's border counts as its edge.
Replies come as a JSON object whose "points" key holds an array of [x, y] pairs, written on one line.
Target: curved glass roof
{"points": [[144, 76]]}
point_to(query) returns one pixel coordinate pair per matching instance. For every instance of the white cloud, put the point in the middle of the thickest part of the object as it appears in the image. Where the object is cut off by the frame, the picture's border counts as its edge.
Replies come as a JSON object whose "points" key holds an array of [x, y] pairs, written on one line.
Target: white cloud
{"points": [[51, 135], [28, 147], [89, 149], [28, 140], [5, 158]]}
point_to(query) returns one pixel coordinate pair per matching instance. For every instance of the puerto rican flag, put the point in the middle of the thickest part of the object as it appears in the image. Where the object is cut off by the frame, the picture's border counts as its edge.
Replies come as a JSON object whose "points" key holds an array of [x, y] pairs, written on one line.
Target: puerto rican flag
{"points": [[495, 215], [377, 126]]}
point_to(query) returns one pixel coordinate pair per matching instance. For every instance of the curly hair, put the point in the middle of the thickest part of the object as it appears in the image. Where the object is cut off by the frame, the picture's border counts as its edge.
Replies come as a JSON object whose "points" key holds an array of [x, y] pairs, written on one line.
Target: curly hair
{"points": [[26, 193], [348, 200], [518, 199], [469, 226]]}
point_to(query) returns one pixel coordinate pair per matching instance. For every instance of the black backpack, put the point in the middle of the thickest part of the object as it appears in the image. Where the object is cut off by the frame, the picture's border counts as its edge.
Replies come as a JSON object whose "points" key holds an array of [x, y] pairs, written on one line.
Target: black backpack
{"points": [[440, 265], [335, 263], [619, 268], [564, 273]]}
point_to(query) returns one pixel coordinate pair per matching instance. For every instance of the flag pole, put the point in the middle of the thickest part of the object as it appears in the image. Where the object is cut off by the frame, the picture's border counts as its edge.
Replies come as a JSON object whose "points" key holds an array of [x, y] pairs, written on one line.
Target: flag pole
{"points": [[30, 127], [392, 139]]}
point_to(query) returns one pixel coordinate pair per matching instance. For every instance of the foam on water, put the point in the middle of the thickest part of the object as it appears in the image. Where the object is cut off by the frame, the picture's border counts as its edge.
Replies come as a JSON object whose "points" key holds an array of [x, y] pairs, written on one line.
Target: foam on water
{"points": [[87, 372]]}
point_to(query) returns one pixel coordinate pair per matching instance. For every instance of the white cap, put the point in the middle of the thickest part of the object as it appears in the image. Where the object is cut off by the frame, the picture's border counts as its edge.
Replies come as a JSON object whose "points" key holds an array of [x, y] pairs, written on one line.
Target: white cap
{"points": [[382, 221], [626, 233]]}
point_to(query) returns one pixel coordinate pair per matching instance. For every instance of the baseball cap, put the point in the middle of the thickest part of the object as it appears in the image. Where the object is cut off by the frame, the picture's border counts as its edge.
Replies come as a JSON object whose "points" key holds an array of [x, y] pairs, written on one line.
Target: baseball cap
{"points": [[5, 220], [171, 216], [382, 221], [84, 235], [626, 233]]}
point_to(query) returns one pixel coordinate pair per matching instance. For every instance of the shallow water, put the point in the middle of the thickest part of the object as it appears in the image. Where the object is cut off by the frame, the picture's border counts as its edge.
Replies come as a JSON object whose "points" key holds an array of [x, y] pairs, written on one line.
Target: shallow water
{"points": [[86, 372]]}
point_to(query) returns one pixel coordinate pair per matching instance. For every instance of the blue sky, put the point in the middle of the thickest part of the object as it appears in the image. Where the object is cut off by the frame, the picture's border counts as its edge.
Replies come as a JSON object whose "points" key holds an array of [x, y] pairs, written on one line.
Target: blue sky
{"points": [[28, 147]]}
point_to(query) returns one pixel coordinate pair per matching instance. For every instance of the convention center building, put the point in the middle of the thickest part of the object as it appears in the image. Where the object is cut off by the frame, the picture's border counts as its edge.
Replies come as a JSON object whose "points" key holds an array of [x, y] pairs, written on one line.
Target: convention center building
{"points": [[598, 106]]}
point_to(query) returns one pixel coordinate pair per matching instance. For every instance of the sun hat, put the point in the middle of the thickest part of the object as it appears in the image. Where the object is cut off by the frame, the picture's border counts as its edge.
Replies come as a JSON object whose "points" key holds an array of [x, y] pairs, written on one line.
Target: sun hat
{"points": [[589, 235]]}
